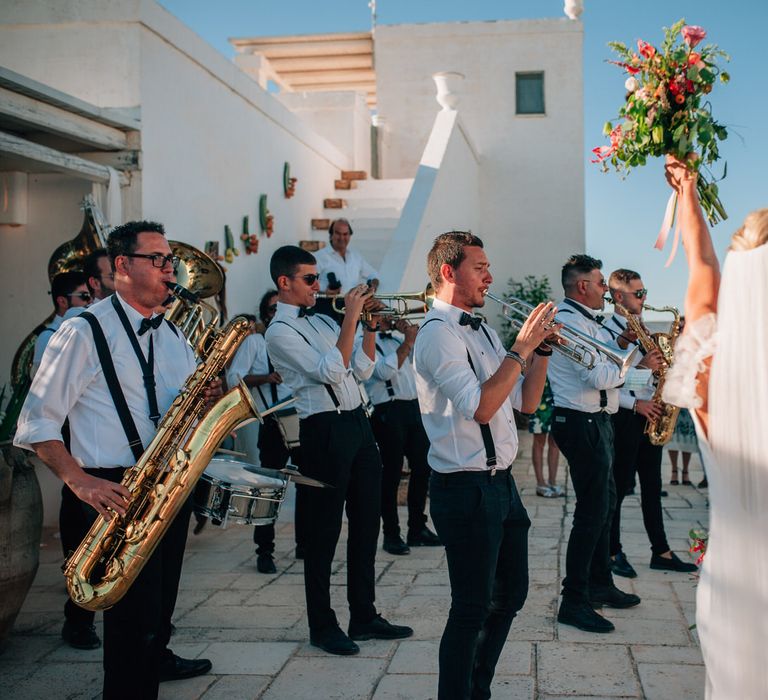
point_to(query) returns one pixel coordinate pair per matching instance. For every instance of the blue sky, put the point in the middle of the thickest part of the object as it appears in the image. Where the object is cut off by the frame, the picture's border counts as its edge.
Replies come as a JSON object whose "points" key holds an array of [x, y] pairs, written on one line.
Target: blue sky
{"points": [[622, 216]]}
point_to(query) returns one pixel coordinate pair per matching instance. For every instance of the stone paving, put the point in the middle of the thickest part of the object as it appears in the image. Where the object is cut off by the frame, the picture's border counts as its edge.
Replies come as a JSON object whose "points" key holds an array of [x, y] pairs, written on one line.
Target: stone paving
{"points": [[253, 627]]}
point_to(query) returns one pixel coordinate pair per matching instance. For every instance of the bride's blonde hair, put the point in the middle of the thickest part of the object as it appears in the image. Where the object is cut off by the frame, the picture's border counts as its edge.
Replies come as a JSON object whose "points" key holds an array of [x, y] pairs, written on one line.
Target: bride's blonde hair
{"points": [[753, 233]]}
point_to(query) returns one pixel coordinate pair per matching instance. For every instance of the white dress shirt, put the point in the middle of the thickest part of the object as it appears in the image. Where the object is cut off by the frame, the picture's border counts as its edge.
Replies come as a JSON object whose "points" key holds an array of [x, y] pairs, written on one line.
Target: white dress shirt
{"points": [[251, 358], [306, 366], [350, 270], [449, 392], [70, 383], [386, 369], [576, 387], [627, 395], [45, 337]]}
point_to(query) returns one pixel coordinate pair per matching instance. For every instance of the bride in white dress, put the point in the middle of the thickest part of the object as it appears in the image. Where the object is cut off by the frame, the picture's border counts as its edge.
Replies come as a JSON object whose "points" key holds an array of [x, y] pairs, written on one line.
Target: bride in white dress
{"points": [[720, 373]]}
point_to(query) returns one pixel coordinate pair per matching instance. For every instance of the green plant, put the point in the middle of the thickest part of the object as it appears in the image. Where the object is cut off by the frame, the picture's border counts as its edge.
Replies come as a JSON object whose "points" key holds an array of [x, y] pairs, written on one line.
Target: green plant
{"points": [[532, 290]]}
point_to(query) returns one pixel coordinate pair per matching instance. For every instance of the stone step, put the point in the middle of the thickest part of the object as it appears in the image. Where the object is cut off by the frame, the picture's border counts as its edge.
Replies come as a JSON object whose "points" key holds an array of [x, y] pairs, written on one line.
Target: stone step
{"points": [[320, 224], [354, 175], [367, 212], [377, 189], [334, 204], [345, 184]]}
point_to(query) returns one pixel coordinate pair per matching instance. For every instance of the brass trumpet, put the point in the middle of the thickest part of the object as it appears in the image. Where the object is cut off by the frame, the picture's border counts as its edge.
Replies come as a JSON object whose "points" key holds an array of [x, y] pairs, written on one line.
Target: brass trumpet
{"points": [[398, 304], [575, 345]]}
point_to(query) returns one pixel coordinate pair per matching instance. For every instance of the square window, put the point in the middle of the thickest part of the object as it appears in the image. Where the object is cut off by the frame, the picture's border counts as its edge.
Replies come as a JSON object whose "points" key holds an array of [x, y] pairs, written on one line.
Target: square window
{"points": [[529, 93]]}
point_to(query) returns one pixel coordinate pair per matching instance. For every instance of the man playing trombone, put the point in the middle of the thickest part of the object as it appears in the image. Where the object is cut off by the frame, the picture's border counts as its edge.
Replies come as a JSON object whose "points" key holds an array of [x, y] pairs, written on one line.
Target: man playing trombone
{"points": [[585, 398], [468, 385]]}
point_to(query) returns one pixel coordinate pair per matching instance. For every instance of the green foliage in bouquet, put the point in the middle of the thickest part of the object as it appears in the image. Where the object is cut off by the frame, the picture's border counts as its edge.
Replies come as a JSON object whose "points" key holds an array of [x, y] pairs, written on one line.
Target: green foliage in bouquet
{"points": [[666, 110]]}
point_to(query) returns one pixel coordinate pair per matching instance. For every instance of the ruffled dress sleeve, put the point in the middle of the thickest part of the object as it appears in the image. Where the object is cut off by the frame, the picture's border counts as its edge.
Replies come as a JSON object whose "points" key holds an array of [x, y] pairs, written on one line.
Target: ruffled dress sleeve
{"points": [[694, 346]]}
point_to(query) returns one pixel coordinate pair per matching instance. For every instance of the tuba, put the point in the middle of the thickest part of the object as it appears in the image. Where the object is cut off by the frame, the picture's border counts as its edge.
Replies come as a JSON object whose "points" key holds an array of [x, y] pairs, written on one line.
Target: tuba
{"points": [[200, 277], [659, 431], [113, 553]]}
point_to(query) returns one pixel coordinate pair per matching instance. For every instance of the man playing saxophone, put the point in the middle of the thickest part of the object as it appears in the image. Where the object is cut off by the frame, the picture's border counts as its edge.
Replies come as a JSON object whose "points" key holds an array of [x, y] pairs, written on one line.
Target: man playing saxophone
{"points": [[152, 360], [632, 448]]}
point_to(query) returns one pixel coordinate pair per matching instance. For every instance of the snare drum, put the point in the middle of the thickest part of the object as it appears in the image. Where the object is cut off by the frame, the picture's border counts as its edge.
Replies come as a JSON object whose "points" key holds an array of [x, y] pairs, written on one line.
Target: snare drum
{"points": [[227, 492]]}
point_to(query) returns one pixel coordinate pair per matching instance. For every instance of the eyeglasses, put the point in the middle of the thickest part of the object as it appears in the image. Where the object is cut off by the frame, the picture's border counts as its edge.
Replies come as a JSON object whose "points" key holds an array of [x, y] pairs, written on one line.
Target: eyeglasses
{"points": [[85, 296], [602, 283], [640, 293], [157, 259], [309, 279]]}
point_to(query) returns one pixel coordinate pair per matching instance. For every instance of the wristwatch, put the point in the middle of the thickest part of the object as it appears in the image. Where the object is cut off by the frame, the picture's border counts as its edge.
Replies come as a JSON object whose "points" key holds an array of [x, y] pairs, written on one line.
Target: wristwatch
{"points": [[512, 355]]}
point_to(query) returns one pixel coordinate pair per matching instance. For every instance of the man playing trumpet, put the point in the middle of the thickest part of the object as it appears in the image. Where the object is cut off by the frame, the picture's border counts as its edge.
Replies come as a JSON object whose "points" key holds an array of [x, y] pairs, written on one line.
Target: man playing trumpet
{"points": [[468, 386]]}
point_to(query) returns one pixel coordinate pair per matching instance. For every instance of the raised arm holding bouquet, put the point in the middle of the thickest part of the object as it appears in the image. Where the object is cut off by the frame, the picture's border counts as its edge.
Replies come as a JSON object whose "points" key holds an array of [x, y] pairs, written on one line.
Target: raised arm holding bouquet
{"points": [[667, 112]]}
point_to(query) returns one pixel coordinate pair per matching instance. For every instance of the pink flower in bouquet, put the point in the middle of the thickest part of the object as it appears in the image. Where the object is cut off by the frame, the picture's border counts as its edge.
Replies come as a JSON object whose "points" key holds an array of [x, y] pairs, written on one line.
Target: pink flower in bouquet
{"points": [[692, 34], [645, 49], [694, 58]]}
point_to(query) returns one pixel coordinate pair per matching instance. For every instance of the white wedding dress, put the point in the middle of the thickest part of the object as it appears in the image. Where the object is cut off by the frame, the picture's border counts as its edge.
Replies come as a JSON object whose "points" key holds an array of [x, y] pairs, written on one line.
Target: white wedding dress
{"points": [[732, 594]]}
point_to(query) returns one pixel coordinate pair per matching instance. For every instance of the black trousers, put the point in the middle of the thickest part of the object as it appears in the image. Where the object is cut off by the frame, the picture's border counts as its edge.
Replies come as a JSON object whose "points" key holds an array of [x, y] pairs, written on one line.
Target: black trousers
{"points": [[273, 454], [586, 440], [74, 524], [138, 628], [484, 526], [634, 451], [400, 433], [344, 455]]}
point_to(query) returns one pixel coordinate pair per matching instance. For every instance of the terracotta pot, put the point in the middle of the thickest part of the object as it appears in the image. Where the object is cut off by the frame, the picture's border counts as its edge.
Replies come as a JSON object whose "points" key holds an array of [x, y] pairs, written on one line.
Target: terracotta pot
{"points": [[21, 525]]}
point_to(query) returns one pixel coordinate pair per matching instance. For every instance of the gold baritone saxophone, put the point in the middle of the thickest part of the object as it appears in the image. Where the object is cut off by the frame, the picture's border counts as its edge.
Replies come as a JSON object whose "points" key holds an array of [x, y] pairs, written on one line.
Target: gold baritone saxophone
{"points": [[659, 431], [113, 553]]}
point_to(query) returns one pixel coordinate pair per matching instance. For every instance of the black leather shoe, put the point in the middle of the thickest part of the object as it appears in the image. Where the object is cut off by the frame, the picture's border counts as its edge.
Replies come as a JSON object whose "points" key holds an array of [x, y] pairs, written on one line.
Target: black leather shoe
{"points": [[583, 617], [704, 484], [423, 538], [378, 628], [612, 597], [334, 641], [265, 564], [174, 668], [80, 636], [395, 545], [673, 564], [621, 567]]}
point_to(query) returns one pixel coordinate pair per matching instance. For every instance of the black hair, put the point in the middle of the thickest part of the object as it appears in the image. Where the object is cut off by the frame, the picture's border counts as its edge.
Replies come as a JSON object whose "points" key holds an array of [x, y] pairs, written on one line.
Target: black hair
{"points": [[264, 304], [122, 240], [286, 259], [448, 248], [65, 283], [578, 264], [91, 265], [340, 220]]}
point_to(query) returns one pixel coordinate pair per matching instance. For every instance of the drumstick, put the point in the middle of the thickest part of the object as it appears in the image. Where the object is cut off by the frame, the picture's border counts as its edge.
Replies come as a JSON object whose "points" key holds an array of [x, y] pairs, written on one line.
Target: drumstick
{"points": [[234, 453]]}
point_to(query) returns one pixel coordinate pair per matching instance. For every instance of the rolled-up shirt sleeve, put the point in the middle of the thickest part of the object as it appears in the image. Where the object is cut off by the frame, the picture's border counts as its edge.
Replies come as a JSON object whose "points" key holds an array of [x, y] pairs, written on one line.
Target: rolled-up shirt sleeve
{"points": [[386, 367], [362, 365], [68, 365], [443, 358]]}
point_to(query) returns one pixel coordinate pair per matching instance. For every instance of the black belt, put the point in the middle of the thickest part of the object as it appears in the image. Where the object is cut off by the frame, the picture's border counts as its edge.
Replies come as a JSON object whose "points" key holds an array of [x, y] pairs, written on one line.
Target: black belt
{"points": [[470, 477], [574, 412]]}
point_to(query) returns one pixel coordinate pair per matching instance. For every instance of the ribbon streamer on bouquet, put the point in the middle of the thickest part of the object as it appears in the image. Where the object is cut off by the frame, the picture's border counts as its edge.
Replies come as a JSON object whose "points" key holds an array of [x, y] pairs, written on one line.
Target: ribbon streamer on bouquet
{"points": [[666, 227]]}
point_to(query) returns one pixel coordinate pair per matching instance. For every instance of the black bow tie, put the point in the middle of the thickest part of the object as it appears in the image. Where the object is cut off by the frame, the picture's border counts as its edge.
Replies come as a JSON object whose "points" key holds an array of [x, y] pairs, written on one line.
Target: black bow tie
{"points": [[598, 319], [149, 323], [472, 321], [383, 334], [306, 311]]}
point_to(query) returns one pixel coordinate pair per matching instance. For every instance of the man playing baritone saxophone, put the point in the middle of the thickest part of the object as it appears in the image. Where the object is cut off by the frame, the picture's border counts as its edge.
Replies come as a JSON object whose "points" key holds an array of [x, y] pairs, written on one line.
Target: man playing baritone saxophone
{"points": [[71, 383], [632, 449], [468, 386], [316, 358]]}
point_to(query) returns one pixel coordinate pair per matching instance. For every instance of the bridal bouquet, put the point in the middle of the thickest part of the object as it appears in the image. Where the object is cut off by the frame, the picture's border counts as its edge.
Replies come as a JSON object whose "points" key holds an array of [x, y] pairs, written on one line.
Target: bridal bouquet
{"points": [[666, 110]]}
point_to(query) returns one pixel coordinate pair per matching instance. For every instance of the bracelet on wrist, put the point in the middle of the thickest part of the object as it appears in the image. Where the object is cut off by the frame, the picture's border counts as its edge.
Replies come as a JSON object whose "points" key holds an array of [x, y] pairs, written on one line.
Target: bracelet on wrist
{"points": [[369, 327], [543, 350], [512, 355]]}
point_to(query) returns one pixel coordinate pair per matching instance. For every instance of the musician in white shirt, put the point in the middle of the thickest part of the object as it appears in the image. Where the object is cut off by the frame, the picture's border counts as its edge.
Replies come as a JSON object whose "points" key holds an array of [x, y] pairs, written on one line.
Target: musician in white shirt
{"points": [[633, 450], [71, 383], [399, 432], [581, 425], [316, 358], [468, 385]]}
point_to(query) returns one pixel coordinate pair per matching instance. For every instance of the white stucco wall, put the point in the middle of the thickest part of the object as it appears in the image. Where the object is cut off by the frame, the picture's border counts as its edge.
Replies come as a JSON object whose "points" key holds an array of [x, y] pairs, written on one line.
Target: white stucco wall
{"points": [[531, 182]]}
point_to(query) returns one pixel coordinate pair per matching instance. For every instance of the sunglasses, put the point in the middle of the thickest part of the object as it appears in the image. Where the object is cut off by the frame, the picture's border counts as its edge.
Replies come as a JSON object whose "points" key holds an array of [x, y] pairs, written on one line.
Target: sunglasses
{"points": [[157, 259], [640, 293], [601, 283], [85, 296], [309, 279]]}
